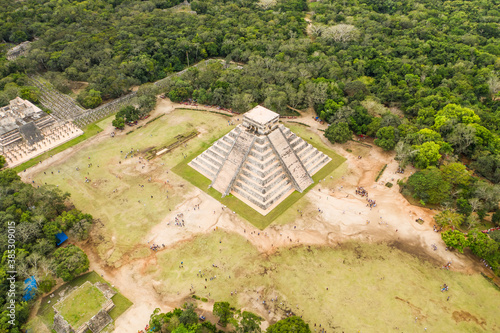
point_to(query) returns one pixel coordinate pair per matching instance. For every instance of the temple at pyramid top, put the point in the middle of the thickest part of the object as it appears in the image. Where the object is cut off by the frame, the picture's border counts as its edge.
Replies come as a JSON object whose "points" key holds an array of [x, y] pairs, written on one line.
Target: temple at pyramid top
{"points": [[261, 162], [261, 120]]}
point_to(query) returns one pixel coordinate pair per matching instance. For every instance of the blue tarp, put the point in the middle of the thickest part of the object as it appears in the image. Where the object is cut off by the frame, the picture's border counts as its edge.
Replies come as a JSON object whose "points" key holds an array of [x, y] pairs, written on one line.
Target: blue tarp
{"points": [[61, 238], [29, 288]]}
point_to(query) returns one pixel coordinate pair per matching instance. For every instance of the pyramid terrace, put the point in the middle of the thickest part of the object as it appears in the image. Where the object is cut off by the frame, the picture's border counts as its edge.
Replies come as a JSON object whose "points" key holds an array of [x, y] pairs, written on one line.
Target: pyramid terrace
{"points": [[261, 162]]}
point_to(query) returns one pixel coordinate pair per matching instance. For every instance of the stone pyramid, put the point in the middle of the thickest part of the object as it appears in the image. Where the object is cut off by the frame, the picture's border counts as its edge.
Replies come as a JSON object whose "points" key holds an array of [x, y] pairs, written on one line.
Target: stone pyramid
{"points": [[260, 162]]}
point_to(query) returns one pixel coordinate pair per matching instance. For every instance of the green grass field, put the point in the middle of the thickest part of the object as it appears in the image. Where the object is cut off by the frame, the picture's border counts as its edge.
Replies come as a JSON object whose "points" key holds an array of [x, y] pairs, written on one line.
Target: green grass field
{"points": [[371, 288], [115, 194], [81, 305], [45, 315], [242, 209]]}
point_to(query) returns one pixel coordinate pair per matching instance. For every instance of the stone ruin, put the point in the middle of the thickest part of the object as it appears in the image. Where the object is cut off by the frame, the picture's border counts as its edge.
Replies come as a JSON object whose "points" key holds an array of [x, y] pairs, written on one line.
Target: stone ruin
{"points": [[261, 162], [99, 321], [18, 50], [26, 131], [105, 289], [95, 324], [61, 325]]}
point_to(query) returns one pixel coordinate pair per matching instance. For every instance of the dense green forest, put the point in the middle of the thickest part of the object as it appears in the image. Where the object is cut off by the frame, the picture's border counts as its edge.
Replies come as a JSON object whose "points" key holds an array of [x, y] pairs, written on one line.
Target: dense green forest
{"points": [[29, 220], [363, 63]]}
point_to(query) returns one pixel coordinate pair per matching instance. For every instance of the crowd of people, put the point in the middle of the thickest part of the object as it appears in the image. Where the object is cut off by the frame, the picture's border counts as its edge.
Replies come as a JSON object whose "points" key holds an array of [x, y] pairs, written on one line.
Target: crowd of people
{"points": [[364, 193], [179, 220], [156, 247], [437, 229], [361, 191], [371, 203]]}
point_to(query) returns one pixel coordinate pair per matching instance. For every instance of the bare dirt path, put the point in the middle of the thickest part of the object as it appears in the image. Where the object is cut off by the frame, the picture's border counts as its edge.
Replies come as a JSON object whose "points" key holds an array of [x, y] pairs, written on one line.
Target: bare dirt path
{"points": [[308, 19]]}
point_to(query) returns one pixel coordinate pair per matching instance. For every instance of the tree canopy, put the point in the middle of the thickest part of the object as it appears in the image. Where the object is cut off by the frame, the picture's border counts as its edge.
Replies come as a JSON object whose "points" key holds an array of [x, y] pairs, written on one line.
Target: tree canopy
{"points": [[338, 133], [38, 214], [291, 324], [365, 64]]}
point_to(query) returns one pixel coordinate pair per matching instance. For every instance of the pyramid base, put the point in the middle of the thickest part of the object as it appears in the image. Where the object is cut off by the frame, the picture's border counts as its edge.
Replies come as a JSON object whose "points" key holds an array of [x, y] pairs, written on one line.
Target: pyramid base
{"points": [[257, 208]]}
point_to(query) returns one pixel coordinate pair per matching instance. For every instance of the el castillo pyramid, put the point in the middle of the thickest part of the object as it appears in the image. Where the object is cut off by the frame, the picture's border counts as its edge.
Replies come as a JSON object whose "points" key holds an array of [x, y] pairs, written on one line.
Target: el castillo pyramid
{"points": [[261, 162]]}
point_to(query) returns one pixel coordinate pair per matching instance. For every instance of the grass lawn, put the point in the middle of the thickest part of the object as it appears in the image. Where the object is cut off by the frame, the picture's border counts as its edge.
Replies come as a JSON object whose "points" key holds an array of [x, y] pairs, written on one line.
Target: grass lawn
{"points": [[132, 199], [245, 211], [45, 315], [371, 287], [121, 305], [81, 305], [89, 131]]}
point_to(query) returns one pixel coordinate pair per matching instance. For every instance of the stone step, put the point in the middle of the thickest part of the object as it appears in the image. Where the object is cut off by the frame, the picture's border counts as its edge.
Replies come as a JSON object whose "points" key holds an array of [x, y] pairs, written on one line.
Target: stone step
{"points": [[293, 165], [212, 153], [277, 183], [11, 137], [248, 197], [261, 156], [286, 131], [248, 180], [260, 186], [223, 145], [261, 180], [242, 188], [201, 169], [217, 164], [263, 198], [260, 140], [231, 167], [294, 140], [312, 154], [305, 150], [263, 149], [227, 139], [217, 149], [202, 160], [261, 164], [234, 133], [312, 159], [263, 173], [279, 195], [320, 165], [271, 167]]}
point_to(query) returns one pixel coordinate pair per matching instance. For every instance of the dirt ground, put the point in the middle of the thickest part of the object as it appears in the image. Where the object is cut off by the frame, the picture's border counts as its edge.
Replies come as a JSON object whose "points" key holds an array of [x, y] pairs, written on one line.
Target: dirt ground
{"points": [[329, 214]]}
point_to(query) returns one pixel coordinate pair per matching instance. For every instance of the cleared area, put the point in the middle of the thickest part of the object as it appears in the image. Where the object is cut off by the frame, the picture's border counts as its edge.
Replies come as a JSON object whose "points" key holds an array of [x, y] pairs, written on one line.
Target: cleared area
{"points": [[352, 287]]}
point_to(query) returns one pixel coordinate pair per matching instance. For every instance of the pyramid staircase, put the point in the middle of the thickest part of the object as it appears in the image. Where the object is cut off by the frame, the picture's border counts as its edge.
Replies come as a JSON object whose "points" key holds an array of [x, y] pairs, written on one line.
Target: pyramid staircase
{"points": [[261, 170]]}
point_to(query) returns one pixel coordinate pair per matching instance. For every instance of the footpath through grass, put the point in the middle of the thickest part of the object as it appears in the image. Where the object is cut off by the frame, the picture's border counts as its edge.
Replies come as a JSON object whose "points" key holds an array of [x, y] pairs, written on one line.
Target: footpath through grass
{"points": [[89, 131], [238, 206]]}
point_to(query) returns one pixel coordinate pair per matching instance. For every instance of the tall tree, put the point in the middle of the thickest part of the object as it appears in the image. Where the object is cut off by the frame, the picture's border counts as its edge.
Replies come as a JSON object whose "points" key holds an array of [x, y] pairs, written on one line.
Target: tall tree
{"points": [[339, 132], [223, 311], [70, 262]]}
